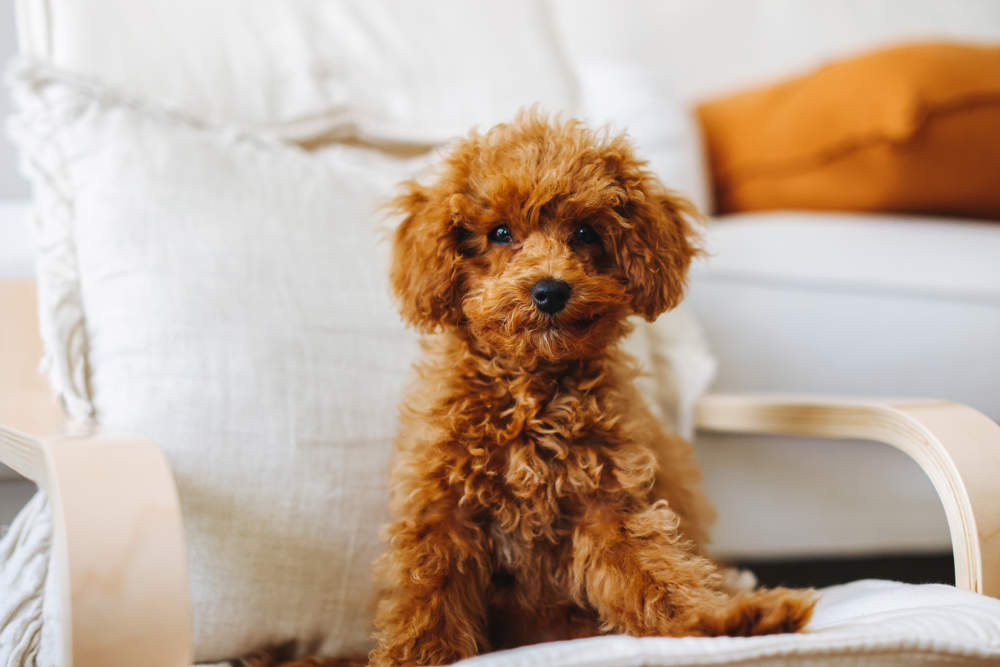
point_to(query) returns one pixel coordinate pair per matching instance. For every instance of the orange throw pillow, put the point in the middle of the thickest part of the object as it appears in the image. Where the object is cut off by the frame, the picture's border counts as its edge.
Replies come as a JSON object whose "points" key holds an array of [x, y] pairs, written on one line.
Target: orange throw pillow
{"points": [[913, 129]]}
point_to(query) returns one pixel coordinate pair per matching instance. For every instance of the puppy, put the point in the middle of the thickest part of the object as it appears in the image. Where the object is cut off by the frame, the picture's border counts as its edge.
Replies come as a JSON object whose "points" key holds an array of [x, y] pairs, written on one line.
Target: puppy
{"points": [[534, 496]]}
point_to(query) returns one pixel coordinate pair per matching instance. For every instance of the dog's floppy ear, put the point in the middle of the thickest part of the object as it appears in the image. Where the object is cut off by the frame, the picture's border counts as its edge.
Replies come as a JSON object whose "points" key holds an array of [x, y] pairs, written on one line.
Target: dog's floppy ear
{"points": [[658, 244], [424, 274]]}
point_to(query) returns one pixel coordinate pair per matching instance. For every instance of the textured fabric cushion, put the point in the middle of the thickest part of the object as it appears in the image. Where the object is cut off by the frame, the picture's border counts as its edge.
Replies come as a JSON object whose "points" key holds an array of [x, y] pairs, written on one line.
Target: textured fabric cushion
{"points": [[907, 129], [225, 295], [862, 623]]}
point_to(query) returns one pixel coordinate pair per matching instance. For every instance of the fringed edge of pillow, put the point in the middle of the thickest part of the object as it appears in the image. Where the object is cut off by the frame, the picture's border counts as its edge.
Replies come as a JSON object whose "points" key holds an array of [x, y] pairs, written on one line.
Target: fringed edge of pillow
{"points": [[41, 113]]}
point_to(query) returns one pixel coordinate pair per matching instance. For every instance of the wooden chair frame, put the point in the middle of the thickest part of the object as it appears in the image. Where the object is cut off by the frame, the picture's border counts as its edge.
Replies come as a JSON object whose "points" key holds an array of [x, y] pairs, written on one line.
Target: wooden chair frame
{"points": [[118, 543]]}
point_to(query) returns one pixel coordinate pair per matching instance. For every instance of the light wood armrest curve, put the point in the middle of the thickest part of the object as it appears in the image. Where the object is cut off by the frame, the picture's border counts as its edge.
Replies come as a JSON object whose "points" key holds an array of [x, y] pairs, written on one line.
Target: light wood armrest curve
{"points": [[956, 446], [117, 545]]}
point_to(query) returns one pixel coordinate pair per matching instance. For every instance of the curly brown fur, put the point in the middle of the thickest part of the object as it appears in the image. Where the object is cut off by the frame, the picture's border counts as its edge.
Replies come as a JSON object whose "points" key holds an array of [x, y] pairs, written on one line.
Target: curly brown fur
{"points": [[534, 495]]}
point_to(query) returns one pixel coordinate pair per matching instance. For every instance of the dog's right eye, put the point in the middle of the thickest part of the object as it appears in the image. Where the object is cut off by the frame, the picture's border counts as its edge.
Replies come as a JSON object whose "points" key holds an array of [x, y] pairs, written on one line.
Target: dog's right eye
{"points": [[500, 234]]}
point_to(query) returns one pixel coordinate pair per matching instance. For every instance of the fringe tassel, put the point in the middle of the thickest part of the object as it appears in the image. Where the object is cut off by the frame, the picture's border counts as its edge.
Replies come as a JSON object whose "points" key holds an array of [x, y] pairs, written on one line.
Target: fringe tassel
{"points": [[42, 111]]}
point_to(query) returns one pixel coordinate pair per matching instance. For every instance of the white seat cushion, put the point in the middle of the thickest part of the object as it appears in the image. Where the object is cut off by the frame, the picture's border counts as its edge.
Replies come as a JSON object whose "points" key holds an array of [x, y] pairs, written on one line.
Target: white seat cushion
{"points": [[862, 623]]}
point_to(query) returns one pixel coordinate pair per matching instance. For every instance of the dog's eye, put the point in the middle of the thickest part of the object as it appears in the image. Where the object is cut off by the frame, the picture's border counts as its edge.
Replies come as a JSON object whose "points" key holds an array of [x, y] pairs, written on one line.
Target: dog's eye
{"points": [[584, 233], [500, 234]]}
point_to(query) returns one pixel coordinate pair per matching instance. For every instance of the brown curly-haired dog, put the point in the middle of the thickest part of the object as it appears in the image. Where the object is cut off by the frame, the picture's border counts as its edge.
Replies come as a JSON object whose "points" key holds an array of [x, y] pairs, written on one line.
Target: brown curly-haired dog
{"points": [[534, 495]]}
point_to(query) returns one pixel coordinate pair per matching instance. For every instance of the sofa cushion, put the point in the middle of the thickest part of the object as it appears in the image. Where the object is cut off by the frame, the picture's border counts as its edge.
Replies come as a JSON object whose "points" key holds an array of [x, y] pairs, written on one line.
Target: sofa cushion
{"points": [[906, 129], [862, 623], [209, 58], [708, 48], [922, 256], [873, 292], [383, 71], [225, 295]]}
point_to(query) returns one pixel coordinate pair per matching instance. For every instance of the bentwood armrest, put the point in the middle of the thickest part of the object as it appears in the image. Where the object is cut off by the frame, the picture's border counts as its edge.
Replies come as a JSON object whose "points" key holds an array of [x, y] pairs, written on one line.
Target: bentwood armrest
{"points": [[957, 446], [118, 547]]}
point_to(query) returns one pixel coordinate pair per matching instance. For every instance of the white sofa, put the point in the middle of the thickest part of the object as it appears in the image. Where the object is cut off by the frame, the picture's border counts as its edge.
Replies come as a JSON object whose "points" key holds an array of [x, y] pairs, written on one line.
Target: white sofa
{"points": [[791, 301]]}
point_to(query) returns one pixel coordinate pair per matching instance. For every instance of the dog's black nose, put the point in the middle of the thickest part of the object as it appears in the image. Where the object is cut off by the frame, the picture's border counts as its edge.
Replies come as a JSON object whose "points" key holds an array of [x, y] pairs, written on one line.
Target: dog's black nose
{"points": [[550, 295]]}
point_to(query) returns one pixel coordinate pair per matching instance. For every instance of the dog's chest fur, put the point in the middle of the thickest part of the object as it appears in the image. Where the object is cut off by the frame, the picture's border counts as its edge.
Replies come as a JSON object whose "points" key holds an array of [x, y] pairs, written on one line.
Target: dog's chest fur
{"points": [[530, 452]]}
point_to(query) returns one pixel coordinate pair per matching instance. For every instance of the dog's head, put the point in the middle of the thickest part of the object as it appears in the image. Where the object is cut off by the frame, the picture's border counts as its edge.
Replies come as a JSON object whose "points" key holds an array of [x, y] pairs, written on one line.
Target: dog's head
{"points": [[539, 238]]}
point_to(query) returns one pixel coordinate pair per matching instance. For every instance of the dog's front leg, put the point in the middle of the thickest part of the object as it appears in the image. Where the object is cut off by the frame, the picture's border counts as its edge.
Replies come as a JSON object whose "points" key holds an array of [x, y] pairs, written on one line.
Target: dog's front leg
{"points": [[643, 578], [433, 609]]}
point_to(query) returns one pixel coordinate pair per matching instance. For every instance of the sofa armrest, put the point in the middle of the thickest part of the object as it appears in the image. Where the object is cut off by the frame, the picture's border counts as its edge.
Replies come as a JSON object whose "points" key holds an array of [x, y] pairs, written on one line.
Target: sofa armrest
{"points": [[118, 547], [957, 446]]}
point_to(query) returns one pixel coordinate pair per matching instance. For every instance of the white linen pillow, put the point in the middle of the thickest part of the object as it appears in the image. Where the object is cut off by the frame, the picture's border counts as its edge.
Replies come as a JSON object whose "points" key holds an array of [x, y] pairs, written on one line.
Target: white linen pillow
{"points": [[225, 295]]}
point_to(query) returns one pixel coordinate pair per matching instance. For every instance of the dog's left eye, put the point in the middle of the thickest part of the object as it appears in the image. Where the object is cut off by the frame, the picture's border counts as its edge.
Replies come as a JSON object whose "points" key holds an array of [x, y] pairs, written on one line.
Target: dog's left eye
{"points": [[584, 233], [501, 234]]}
